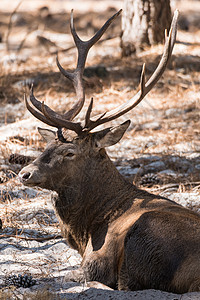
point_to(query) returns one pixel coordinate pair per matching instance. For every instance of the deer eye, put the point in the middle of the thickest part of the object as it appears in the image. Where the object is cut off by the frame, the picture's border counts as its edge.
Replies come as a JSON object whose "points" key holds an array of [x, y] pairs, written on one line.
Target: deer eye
{"points": [[69, 155]]}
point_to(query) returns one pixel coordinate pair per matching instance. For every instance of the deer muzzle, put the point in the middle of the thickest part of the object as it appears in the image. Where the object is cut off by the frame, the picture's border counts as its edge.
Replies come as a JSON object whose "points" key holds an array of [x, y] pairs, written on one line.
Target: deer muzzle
{"points": [[30, 175]]}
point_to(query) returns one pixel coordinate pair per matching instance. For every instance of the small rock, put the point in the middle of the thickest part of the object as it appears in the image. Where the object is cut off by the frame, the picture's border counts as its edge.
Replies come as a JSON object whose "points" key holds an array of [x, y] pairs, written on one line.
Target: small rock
{"points": [[168, 173], [128, 170], [173, 112], [152, 125], [155, 166]]}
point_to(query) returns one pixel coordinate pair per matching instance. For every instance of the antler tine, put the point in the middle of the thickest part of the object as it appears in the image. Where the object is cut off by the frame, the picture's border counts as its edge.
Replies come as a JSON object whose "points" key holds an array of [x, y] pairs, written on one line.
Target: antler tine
{"points": [[50, 119], [61, 122], [144, 88], [37, 114], [84, 46], [88, 113], [169, 44], [76, 76], [38, 105]]}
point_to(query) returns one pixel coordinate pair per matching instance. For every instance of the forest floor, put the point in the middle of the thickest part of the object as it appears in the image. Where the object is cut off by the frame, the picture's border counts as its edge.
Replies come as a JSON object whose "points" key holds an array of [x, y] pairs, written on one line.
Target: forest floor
{"points": [[160, 151]]}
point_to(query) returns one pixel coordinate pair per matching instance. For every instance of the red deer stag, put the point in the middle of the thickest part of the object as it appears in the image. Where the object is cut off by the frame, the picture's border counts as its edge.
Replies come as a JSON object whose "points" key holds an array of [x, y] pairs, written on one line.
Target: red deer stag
{"points": [[129, 239]]}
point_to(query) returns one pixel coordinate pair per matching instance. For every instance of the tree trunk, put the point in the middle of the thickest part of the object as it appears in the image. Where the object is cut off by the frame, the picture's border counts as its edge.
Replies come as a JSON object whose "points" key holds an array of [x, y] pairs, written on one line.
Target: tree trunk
{"points": [[144, 23]]}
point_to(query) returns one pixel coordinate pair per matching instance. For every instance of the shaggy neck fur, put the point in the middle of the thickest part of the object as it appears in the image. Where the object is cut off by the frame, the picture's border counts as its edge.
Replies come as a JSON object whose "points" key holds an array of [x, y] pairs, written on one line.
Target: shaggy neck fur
{"points": [[100, 196]]}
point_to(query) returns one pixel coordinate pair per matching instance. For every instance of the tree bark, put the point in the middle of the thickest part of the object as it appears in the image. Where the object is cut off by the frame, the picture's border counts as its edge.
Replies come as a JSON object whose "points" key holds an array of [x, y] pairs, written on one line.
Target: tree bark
{"points": [[144, 23]]}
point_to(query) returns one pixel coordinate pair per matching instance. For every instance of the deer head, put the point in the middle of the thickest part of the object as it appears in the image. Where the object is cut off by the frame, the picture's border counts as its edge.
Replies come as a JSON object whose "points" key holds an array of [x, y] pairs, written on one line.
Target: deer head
{"points": [[67, 159]]}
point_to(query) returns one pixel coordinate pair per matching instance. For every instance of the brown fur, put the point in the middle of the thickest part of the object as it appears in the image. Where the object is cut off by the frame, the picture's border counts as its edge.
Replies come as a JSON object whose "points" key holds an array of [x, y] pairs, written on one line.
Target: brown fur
{"points": [[128, 238]]}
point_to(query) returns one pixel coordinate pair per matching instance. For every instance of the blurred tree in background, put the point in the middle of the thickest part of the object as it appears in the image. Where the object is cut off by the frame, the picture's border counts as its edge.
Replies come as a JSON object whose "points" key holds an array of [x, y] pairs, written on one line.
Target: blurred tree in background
{"points": [[144, 23]]}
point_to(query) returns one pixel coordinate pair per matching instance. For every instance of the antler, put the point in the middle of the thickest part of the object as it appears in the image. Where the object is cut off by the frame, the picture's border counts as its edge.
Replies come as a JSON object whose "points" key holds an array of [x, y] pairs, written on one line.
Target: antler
{"points": [[76, 76], [50, 117], [47, 115], [144, 87]]}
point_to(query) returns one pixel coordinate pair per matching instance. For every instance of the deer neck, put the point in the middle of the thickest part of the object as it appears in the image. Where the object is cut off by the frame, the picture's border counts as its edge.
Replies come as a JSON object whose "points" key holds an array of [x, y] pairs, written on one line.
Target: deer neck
{"points": [[97, 198]]}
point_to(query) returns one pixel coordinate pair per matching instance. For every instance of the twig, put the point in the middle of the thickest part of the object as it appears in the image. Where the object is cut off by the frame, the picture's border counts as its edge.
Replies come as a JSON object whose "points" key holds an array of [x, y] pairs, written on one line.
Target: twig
{"points": [[42, 239], [10, 24], [47, 43], [167, 186], [24, 39]]}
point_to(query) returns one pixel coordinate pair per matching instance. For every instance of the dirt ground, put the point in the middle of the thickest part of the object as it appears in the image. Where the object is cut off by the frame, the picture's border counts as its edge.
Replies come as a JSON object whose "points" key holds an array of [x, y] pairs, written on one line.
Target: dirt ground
{"points": [[161, 150]]}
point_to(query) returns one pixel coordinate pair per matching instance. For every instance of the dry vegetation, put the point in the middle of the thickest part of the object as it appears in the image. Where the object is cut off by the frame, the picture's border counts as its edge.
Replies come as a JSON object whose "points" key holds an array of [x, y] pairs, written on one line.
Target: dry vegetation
{"points": [[165, 126]]}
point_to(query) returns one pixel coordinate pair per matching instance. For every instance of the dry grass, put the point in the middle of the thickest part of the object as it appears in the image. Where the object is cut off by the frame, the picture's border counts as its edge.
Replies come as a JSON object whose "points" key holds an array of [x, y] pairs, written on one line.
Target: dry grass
{"points": [[9, 293]]}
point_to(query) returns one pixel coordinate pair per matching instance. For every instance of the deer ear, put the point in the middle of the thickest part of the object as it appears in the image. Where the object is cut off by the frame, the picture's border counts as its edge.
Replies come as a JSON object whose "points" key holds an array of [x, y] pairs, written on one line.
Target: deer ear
{"points": [[47, 134], [110, 136]]}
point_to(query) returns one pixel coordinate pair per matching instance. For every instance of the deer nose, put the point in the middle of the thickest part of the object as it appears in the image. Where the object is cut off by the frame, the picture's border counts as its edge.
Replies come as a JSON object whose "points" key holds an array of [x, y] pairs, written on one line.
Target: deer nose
{"points": [[30, 175], [26, 176]]}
